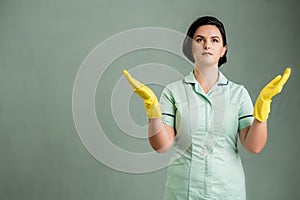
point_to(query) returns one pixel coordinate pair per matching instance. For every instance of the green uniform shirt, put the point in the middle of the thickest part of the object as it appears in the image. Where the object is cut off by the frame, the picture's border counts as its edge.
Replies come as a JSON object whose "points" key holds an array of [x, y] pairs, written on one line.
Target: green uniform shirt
{"points": [[206, 163]]}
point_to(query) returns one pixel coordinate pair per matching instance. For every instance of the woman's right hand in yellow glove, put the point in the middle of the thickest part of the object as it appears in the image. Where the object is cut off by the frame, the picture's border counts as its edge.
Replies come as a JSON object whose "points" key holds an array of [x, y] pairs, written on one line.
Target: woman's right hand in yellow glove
{"points": [[263, 102], [150, 101]]}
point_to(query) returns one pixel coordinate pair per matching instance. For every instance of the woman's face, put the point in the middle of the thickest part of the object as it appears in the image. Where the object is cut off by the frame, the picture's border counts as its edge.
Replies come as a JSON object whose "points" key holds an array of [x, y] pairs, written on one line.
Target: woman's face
{"points": [[207, 45]]}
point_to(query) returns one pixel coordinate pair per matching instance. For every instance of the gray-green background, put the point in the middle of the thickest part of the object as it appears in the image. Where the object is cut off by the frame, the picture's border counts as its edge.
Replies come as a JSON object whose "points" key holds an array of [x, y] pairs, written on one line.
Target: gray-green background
{"points": [[42, 45]]}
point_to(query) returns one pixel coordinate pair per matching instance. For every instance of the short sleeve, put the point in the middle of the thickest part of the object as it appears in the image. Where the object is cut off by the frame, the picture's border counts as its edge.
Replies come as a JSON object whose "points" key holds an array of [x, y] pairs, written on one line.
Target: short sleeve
{"points": [[246, 110], [168, 108]]}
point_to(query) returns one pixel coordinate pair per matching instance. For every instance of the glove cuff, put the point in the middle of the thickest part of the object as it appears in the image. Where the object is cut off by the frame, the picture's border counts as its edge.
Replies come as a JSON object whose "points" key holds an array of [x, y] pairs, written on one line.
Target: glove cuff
{"points": [[262, 109], [154, 111]]}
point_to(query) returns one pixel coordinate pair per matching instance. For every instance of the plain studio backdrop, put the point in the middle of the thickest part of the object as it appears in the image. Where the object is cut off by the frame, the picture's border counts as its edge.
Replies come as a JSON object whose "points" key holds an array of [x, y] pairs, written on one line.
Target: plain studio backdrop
{"points": [[44, 43]]}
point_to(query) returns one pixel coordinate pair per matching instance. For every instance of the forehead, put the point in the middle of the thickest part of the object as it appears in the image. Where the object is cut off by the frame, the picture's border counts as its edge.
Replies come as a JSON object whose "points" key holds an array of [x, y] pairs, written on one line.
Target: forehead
{"points": [[208, 31]]}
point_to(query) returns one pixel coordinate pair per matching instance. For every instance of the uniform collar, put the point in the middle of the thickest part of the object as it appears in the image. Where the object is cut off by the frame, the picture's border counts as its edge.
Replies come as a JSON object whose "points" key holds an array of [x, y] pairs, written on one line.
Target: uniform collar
{"points": [[190, 78]]}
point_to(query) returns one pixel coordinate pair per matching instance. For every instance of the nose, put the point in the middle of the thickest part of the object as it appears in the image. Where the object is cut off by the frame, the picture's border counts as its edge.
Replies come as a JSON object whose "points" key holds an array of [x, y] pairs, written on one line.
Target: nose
{"points": [[207, 45]]}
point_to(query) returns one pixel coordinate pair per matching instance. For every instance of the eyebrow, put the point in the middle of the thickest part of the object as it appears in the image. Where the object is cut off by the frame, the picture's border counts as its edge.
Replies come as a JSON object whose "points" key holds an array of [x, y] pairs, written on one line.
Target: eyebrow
{"points": [[215, 36]]}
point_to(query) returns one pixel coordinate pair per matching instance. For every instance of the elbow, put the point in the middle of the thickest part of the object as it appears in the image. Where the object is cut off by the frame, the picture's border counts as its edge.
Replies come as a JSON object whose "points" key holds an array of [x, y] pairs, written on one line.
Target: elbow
{"points": [[255, 150], [163, 149], [160, 146]]}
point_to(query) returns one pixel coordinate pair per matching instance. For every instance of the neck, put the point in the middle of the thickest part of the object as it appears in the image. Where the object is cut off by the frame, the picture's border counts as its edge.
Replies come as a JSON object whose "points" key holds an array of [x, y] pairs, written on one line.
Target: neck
{"points": [[207, 76]]}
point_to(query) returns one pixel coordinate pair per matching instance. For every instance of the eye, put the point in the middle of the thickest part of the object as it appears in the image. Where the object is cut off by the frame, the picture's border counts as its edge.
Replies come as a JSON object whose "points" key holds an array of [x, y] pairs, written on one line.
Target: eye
{"points": [[215, 40], [198, 40]]}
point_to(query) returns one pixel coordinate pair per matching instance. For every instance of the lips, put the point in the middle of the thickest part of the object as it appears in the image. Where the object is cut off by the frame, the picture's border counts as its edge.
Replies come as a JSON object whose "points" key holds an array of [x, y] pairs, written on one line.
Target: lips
{"points": [[207, 53]]}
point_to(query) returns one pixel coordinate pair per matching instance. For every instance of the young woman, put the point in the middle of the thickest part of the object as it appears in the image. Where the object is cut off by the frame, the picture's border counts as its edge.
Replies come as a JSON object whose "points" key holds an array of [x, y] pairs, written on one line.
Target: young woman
{"points": [[202, 117]]}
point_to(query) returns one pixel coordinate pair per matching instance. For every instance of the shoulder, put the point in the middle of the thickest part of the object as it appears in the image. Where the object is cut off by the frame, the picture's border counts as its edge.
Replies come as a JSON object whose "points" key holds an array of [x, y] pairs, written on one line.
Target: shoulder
{"points": [[236, 87], [173, 90], [230, 85], [175, 86], [237, 91]]}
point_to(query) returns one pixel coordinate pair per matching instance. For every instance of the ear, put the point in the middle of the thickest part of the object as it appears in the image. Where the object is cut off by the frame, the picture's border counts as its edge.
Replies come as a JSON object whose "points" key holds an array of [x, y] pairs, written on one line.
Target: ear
{"points": [[224, 50]]}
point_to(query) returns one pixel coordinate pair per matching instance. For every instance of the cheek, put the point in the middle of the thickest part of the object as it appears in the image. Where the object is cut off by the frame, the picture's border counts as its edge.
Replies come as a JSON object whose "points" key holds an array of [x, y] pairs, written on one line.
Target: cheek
{"points": [[222, 51], [195, 49]]}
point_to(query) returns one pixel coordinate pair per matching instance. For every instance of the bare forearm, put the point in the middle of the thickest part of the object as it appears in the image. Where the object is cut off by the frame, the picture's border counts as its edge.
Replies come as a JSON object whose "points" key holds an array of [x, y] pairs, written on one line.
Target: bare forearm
{"points": [[160, 135], [256, 137]]}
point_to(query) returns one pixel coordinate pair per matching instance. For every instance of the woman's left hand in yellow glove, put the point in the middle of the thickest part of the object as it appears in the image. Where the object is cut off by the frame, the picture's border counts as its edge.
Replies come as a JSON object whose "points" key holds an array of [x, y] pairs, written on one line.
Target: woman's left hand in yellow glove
{"points": [[263, 102], [150, 101]]}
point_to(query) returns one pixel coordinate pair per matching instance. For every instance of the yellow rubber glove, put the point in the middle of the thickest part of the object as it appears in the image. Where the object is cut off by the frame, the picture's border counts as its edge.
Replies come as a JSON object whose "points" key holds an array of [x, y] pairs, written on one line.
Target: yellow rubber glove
{"points": [[150, 101], [264, 99]]}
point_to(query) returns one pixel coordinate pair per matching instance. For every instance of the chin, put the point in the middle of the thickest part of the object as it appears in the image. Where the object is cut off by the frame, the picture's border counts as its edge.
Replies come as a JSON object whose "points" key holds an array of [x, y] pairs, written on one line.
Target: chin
{"points": [[206, 62]]}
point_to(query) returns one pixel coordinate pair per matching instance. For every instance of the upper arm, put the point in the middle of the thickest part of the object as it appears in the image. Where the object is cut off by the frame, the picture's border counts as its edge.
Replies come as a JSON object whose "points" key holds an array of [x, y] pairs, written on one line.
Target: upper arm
{"points": [[243, 135], [163, 141], [171, 132], [168, 108], [245, 115]]}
